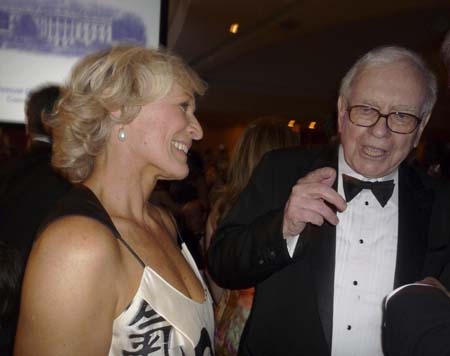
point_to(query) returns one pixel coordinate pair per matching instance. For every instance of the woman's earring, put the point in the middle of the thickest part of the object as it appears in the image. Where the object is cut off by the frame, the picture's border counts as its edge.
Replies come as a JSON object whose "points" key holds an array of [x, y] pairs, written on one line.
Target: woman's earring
{"points": [[122, 135]]}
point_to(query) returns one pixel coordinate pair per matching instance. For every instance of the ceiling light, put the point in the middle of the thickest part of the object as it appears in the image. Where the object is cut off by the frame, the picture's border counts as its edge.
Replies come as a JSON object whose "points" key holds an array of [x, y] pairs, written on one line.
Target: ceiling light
{"points": [[291, 123], [312, 125], [234, 28]]}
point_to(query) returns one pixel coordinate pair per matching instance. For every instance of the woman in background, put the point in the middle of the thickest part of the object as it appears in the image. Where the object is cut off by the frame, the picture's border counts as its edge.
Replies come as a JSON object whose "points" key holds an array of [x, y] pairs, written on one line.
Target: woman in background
{"points": [[106, 275], [233, 307]]}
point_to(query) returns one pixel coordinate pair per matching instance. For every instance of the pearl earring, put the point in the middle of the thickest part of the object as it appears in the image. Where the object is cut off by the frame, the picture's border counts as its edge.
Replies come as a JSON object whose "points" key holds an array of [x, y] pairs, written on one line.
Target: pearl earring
{"points": [[122, 135]]}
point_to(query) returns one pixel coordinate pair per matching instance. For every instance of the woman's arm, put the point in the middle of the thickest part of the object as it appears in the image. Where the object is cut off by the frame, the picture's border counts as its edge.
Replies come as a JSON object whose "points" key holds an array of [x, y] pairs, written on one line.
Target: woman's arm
{"points": [[69, 294]]}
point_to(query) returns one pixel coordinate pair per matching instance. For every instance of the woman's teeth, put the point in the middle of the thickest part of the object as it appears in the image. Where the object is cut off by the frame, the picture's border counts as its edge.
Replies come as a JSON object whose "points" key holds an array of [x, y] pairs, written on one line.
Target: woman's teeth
{"points": [[180, 146]]}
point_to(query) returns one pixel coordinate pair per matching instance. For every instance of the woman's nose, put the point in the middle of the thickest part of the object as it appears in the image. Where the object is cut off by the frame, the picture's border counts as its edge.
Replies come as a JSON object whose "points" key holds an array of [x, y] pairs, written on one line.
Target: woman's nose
{"points": [[196, 129]]}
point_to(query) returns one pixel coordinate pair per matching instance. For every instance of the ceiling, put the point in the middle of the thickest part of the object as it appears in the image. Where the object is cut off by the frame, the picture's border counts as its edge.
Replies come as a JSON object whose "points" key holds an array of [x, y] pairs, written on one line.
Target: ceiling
{"points": [[289, 56]]}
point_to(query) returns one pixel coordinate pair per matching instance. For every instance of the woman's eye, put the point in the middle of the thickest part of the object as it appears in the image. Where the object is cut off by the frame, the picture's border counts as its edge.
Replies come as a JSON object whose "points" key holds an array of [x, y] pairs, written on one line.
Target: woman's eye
{"points": [[184, 107]]}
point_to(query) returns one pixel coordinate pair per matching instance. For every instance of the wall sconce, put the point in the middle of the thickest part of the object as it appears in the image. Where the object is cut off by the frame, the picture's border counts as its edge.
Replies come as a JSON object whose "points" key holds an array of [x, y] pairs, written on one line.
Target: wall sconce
{"points": [[234, 28]]}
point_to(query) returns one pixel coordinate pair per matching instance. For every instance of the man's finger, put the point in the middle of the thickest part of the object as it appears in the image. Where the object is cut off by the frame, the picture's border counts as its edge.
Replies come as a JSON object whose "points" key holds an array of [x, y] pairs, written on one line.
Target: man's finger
{"points": [[325, 175]]}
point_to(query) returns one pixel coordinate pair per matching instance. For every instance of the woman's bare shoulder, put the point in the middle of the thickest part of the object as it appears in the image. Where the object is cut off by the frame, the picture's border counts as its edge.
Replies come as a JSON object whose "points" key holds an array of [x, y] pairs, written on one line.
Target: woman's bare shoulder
{"points": [[70, 282], [76, 237], [79, 248]]}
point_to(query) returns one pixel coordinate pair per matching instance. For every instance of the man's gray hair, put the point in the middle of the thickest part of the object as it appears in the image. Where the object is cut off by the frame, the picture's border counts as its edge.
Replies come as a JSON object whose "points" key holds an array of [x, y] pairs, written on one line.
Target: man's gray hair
{"points": [[387, 55]]}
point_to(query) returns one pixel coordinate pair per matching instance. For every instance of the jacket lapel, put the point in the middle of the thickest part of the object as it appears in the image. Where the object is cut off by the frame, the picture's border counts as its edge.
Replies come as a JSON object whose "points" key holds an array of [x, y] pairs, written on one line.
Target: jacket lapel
{"points": [[415, 203], [321, 244]]}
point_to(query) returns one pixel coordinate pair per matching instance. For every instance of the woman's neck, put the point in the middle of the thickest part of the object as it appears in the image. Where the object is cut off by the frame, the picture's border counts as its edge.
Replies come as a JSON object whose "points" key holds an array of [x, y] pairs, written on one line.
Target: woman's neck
{"points": [[122, 191]]}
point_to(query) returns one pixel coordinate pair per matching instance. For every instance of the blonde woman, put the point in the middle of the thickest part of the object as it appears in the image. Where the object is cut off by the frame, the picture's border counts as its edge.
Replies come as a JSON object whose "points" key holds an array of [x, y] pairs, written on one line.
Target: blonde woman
{"points": [[106, 276]]}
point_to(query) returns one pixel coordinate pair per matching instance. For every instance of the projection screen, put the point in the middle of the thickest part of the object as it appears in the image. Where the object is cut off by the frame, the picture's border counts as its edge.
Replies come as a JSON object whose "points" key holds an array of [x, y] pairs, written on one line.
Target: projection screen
{"points": [[40, 40]]}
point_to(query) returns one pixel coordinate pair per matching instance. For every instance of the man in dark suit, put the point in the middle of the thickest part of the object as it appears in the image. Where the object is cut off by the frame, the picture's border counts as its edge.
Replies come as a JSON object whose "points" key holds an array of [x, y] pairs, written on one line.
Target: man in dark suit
{"points": [[28, 184], [322, 265], [417, 316]]}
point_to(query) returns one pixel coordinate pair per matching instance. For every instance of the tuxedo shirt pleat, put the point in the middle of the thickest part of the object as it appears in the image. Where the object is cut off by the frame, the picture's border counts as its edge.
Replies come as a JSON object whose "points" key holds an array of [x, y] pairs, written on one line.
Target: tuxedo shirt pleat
{"points": [[366, 247]]}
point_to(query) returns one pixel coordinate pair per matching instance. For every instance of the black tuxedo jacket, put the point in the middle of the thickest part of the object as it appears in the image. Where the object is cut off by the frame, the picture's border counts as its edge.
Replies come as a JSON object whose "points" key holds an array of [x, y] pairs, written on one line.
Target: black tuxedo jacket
{"points": [[293, 306]]}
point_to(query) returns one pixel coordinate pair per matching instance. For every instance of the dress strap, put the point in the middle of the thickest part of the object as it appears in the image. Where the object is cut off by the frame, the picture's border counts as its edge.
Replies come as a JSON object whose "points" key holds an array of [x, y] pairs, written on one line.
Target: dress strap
{"points": [[106, 220], [131, 250], [180, 240], [80, 200]]}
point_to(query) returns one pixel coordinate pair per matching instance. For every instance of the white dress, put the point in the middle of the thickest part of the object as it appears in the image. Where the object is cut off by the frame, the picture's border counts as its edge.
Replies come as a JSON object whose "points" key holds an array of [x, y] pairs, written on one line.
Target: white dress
{"points": [[161, 321]]}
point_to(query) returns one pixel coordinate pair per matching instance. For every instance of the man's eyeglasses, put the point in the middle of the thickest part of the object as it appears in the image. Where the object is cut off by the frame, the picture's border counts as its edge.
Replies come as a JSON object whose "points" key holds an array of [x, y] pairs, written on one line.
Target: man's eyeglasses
{"points": [[396, 121]]}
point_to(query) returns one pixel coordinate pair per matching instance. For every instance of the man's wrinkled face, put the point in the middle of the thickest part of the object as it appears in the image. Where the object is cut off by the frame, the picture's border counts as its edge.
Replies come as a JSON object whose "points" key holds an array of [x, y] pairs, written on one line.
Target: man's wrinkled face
{"points": [[376, 151]]}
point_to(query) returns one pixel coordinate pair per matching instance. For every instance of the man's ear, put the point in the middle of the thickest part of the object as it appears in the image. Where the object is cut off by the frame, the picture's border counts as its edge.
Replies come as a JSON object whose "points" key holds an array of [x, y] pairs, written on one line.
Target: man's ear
{"points": [[341, 111], [420, 129]]}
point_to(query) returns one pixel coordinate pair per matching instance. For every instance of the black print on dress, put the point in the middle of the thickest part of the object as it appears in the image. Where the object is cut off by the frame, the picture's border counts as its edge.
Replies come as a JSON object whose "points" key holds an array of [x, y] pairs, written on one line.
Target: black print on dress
{"points": [[204, 344], [155, 335], [154, 339]]}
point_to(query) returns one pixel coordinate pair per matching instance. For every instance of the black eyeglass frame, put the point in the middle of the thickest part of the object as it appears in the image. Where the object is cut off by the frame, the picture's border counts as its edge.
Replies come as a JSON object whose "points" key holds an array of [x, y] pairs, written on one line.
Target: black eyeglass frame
{"points": [[386, 116]]}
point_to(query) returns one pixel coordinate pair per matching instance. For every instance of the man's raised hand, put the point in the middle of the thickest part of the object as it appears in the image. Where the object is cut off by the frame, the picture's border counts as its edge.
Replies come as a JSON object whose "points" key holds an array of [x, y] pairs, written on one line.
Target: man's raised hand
{"points": [[310, 202]]}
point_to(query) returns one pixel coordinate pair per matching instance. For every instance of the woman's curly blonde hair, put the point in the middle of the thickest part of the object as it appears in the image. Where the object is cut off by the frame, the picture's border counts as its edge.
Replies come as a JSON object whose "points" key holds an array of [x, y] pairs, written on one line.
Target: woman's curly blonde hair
{"points": [[119, 80]]}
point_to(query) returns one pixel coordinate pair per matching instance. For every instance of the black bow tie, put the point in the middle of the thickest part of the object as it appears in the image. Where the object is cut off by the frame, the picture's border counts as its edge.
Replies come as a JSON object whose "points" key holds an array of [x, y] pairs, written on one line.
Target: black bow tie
{"points": [[382, 190]]}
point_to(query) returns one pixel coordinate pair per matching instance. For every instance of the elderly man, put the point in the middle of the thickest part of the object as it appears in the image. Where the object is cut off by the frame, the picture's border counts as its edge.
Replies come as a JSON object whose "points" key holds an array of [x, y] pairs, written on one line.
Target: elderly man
{"points": [[322, 264]]}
